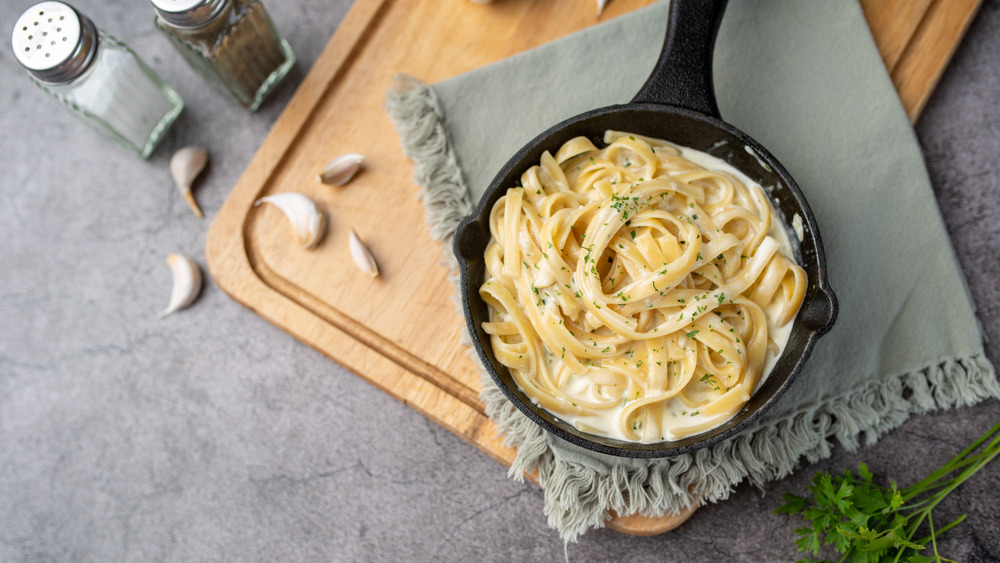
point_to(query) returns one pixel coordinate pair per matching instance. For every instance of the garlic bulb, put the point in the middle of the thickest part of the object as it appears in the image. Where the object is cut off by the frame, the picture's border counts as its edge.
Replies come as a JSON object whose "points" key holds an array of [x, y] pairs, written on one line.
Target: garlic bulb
{"points": [[186, 164], [187, 283], [362, 257], [306, 218], [340, 170]]}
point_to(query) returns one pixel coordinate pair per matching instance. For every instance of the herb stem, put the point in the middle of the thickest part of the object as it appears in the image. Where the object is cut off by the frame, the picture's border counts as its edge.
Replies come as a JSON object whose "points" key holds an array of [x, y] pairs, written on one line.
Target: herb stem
{"points": [[969, 466], [979, 461], [953, 464], [939, 531]]}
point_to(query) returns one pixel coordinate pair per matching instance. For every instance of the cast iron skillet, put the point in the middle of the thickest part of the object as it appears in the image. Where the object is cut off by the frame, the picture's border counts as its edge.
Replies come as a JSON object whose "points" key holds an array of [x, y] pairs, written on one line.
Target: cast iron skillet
{"points": [[677, 103]]}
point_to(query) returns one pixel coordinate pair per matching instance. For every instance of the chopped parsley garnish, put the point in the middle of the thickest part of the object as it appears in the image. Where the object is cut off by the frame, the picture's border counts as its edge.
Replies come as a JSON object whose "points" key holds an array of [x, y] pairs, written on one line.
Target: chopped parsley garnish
{"points": [[708, 380]]}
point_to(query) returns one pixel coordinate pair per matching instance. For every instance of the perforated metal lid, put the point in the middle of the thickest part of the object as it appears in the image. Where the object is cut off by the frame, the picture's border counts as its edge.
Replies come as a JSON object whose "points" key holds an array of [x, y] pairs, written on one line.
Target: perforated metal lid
{"points": [[54, 42], [189, 13]]}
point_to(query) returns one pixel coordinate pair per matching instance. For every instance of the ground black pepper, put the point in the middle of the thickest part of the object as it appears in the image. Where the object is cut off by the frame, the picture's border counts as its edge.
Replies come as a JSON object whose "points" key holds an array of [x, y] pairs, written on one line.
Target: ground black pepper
{"points": [[232, 44]]}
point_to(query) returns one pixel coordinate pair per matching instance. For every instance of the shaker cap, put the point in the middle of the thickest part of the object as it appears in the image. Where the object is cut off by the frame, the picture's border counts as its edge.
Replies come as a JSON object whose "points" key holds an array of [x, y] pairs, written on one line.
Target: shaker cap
{"points": [[189, 13], [54, 42]]}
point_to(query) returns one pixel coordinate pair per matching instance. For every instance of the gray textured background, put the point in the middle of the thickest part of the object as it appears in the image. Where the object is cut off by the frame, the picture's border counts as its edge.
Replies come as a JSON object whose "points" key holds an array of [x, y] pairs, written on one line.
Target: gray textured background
{"points": [[212, 435]]}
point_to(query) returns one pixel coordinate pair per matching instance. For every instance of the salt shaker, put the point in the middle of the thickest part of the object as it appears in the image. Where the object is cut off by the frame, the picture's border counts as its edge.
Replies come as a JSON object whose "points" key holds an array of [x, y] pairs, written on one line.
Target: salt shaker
{"points": [[232, 44], [95, 75]]}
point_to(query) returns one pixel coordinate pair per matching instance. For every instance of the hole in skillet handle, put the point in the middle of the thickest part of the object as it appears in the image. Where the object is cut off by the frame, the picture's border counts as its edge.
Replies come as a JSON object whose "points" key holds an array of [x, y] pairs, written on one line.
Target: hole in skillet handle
{"points": [[677, 103]]}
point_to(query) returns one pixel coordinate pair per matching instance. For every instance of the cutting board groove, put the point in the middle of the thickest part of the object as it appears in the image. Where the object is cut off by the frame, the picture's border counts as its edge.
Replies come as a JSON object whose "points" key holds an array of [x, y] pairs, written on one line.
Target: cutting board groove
{"points": [[401, 331]]}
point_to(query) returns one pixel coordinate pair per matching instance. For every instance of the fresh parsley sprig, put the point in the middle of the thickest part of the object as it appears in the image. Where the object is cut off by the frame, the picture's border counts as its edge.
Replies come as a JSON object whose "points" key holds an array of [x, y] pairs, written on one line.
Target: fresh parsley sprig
{"points": [[867, 522]]}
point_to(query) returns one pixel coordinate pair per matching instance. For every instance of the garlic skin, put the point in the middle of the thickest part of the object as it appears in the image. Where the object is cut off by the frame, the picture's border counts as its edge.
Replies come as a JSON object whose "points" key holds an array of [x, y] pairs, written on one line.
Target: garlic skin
{"points": [[185, 166], [600, 6], [340, 170], [306, 218], [362, 257], [187, 283]]}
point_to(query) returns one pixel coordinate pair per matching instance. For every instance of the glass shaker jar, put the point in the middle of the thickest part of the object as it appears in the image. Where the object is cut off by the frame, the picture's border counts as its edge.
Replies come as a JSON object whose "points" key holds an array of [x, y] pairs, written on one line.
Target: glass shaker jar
{"points": [[95, 75], [232, 44]]}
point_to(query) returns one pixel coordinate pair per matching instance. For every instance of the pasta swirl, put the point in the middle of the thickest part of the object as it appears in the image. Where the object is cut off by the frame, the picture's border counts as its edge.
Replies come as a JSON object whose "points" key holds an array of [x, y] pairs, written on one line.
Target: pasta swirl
{"points": [[634, 292]]}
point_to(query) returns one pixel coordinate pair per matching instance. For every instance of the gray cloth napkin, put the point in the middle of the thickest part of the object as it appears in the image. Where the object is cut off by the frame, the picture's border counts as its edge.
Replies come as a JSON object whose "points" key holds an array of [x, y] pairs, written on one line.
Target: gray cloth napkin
{"points": [[805, 79]]}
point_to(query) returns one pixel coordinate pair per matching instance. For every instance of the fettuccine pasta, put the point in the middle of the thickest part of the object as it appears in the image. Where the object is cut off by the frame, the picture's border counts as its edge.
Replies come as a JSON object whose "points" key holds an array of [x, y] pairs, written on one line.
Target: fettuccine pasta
{"points": [[638, 291]]}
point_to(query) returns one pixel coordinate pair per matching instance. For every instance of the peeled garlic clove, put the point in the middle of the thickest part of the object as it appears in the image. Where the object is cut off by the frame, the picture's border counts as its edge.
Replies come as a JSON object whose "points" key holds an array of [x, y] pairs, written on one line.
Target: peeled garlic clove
{"points": [[600, 6], [306, 218], [187, 283], [186, 164], [340, 170], [362, 257]]}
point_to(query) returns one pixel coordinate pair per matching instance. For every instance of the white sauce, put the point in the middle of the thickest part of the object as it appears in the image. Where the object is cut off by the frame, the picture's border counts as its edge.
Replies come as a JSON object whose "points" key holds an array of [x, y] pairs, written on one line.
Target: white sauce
{"points": [[797, 227], [756, 157]]}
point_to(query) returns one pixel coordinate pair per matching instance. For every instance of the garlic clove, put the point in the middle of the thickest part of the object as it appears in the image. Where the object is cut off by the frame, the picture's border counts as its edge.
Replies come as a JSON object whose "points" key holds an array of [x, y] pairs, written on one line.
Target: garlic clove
{"points": [[600, 6], [187, 283], [306, 218], [362, 257], [340, 170], [185, 165]]}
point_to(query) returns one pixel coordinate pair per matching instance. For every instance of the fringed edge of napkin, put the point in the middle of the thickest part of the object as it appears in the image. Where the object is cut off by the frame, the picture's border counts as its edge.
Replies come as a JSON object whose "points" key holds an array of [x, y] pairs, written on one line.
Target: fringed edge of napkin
{"points": [[579, 496], [414, 110]]}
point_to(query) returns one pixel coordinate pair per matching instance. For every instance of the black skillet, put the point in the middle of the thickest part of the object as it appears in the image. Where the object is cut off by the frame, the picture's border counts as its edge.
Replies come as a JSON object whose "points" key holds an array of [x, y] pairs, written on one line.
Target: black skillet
{"points": [[677, 103]]}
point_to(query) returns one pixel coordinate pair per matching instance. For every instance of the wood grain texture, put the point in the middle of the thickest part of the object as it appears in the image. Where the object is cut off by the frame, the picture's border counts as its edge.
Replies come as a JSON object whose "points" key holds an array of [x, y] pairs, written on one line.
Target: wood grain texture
{"points": [[401, 331], [639, 525], [916, 39]]}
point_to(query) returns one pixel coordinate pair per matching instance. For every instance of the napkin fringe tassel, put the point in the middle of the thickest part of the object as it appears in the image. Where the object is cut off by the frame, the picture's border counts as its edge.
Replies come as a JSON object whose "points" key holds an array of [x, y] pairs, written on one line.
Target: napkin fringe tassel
{"points": [[580, 492], [416, 113]]}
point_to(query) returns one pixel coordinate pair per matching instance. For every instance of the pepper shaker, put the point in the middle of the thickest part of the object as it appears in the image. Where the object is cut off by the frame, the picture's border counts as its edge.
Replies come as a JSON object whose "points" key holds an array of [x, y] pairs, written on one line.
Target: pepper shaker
{"points": [[232, 44], [95, 75]]}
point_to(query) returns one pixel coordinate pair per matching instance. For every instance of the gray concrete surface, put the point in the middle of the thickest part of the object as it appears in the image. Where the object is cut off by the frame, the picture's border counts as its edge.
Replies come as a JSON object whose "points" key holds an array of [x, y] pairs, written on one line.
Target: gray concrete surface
{"points": [[212, 435]]}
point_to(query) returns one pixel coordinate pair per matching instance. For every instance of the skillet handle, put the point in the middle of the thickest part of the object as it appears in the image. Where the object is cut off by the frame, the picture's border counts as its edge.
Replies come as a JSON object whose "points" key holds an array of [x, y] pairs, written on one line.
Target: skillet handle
{"points": [[683, 74]]}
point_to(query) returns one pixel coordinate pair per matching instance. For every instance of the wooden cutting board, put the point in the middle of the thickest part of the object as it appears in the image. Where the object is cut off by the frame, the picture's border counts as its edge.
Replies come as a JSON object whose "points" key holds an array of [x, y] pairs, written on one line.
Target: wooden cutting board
{"points": [[401, 330]]}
